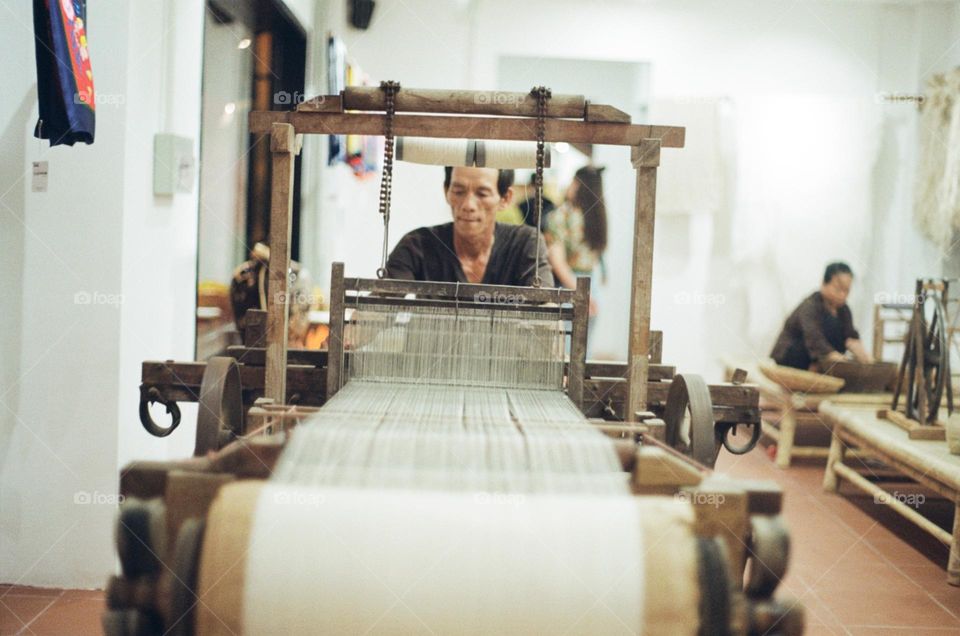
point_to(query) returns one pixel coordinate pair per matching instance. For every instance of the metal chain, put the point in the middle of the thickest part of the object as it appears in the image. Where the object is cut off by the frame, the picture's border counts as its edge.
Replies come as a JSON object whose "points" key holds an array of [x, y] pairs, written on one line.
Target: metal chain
{"points": [[386, 181], [542, 93]]}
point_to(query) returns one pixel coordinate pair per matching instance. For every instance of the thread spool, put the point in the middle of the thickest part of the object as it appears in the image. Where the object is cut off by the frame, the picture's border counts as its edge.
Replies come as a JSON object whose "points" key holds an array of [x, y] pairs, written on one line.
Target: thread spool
{"points": [[500, 154], [436, 152], [283, 559], [510, 154]]}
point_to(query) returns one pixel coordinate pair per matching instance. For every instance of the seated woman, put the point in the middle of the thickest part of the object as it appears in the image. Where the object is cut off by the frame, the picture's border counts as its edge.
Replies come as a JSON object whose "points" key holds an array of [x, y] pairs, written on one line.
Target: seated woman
{"points": [[820, 330], [576, 231]]}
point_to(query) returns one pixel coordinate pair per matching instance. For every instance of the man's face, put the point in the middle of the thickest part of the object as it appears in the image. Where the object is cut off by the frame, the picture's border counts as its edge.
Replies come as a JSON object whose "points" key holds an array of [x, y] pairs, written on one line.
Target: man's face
{"points": [[474, 201], [836, 291]]}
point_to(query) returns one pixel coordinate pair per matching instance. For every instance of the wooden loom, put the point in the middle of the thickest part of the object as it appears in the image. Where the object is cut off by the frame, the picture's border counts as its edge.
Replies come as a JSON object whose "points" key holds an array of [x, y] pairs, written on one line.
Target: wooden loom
{"points": [[231, 446]]}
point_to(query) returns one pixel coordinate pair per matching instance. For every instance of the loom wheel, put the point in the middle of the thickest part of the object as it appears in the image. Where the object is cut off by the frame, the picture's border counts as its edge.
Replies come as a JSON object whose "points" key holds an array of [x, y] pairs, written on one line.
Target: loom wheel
{"points": [[769, 550], [689, 419], [141, 538], [183, 586], [220, 415], [131, 622]]}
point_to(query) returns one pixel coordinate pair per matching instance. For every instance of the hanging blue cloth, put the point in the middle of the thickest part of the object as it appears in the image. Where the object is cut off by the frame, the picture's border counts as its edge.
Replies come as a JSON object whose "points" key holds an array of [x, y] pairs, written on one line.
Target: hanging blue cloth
{"points": [[64, 78]]}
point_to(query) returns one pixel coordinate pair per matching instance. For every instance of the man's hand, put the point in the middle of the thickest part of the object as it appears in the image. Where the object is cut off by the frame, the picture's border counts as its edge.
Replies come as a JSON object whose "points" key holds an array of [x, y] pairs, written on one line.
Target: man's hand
{"points": [[859, 352]]}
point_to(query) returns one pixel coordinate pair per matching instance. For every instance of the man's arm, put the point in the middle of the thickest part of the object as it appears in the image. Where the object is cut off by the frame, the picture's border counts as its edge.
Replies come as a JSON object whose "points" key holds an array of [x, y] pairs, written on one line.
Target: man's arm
{"points": [[811, 326], [852, 338], [855, 346]]}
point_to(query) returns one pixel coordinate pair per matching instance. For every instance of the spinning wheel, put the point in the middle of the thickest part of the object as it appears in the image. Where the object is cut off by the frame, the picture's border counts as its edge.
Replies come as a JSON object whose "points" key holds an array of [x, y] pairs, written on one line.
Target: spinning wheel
{"points": [[924, 374]]}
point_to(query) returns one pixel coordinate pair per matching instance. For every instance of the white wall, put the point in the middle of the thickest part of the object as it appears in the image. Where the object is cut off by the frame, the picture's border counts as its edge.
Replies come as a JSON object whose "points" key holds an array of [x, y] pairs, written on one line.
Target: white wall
{"points": [[107, 280], [805, 185], [70, 369]]}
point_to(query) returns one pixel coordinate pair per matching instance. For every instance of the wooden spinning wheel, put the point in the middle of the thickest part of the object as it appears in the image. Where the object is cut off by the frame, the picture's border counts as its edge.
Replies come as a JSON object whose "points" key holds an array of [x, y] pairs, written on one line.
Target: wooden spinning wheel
{"points": [[924, 374]]}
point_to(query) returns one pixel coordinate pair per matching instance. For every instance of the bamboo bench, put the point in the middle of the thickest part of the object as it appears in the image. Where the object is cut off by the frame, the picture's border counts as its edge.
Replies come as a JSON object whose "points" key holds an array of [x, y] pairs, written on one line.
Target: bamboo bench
{"points": [[927, 462]]}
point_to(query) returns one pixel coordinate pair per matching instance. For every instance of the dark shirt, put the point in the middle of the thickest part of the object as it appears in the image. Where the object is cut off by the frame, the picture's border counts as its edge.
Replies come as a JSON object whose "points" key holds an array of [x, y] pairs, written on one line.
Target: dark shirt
{"points": [[427, 254], [812, 332], [528, 208]]}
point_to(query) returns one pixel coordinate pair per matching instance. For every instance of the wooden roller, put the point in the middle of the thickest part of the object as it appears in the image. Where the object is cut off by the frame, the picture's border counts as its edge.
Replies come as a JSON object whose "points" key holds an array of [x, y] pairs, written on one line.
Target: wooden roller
{"points": [[420, 100], [673, 578]]}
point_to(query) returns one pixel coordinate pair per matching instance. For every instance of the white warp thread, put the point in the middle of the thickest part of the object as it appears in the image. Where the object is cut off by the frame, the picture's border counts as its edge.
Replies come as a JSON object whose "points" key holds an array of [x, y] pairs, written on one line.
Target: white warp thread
{"points": [[408, 504], [502, 154]]}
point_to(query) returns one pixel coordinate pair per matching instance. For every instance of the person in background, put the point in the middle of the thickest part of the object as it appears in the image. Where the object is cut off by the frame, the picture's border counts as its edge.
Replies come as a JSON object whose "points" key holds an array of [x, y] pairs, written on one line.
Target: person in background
{"points": [[576, 231], [248, 290], [820, 330], [528, 207]]}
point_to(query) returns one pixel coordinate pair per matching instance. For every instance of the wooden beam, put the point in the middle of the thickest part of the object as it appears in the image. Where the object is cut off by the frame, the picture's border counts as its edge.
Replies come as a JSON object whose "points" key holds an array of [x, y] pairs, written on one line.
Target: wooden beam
{"points": [[646, 159], [465, 127], [282, 149], [578, 342], [425, 100], [605, 113], [335, 360], [321, 104]]}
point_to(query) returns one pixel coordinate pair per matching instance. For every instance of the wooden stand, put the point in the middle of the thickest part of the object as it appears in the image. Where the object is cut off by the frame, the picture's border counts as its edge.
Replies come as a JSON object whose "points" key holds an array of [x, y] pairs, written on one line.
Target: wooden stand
{"points": [[914, 429]]}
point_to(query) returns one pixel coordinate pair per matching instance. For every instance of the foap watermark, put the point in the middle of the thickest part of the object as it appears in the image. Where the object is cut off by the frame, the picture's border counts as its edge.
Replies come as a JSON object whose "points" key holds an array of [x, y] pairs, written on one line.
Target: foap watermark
{"points": [[299, 498], [499, 499], [894, 298], [499, 97], [885, 96], [97, 498], [695, 498], [912, 499], [297, 298], [699, 298], [84, 297], [97, 98], [498, 298], [286, 98]]}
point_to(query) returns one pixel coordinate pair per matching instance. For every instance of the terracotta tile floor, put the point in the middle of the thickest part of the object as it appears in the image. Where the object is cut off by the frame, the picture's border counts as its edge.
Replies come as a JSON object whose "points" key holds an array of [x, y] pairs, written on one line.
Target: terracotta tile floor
{"points": [[857, 568]]}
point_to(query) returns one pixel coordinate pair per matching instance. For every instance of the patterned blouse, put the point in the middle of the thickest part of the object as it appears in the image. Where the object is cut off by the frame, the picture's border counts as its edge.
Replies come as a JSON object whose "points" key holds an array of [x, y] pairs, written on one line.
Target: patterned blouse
{"points": [[565, 224]]}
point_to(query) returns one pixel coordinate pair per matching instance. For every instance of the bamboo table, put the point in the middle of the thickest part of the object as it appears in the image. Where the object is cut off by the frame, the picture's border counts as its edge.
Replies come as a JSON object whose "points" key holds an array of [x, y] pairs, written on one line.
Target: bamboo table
{"points": [[927, 462]]}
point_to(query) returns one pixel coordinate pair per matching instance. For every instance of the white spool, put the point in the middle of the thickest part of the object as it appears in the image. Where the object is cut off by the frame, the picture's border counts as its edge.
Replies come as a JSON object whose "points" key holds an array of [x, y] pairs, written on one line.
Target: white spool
{"points": [[510, 154], [437, 152], [329, 560]]}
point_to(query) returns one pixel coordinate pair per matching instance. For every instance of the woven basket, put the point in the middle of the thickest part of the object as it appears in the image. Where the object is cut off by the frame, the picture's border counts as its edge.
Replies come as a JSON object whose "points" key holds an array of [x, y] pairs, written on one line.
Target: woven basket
{"points": [[800, 381]]}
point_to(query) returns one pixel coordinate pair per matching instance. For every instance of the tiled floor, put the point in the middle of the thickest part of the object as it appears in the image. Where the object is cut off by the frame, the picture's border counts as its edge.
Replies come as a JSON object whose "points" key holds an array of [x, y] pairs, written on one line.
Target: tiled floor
{"points": [[857, 568], [30, 610]]}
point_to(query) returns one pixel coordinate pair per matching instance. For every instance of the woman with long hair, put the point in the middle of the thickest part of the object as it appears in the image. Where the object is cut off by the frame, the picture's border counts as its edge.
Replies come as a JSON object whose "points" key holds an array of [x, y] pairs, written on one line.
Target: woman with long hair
{"points": [[576, 231]]}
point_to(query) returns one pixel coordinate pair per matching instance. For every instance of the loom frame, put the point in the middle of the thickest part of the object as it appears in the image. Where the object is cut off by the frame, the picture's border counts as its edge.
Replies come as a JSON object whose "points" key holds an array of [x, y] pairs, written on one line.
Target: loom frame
{"points": [[503, 118]]}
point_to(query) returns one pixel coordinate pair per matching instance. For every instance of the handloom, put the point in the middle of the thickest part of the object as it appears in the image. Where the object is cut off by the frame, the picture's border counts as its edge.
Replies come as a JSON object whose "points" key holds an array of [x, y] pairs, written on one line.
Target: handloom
{"points": [[451, 480]]}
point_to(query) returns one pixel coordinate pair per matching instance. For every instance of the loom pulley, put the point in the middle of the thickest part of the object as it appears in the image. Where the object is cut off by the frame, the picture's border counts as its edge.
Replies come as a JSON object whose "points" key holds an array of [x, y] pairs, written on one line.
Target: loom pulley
{"points": [[221, 414]]}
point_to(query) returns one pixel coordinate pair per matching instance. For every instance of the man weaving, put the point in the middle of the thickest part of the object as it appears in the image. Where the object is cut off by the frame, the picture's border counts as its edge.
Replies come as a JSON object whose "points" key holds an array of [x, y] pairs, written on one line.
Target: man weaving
{"points": [[474, 248], [820, 330]]}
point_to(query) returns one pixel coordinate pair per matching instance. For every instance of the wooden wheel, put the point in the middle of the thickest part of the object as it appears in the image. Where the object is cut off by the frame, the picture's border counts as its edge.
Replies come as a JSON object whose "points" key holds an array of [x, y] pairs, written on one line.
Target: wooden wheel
{"points": [[926, 362], [689, 419], [220, 416]]}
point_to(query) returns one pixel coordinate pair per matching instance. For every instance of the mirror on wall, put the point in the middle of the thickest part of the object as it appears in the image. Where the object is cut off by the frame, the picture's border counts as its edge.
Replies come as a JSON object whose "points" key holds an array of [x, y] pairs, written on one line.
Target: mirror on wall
{"points": [[254, 57]]}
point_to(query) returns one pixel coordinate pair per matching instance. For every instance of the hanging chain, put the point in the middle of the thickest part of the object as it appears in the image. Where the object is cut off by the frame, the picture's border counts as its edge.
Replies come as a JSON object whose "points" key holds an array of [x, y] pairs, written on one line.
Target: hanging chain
{"points": [[386, 181], [542, 93]]}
